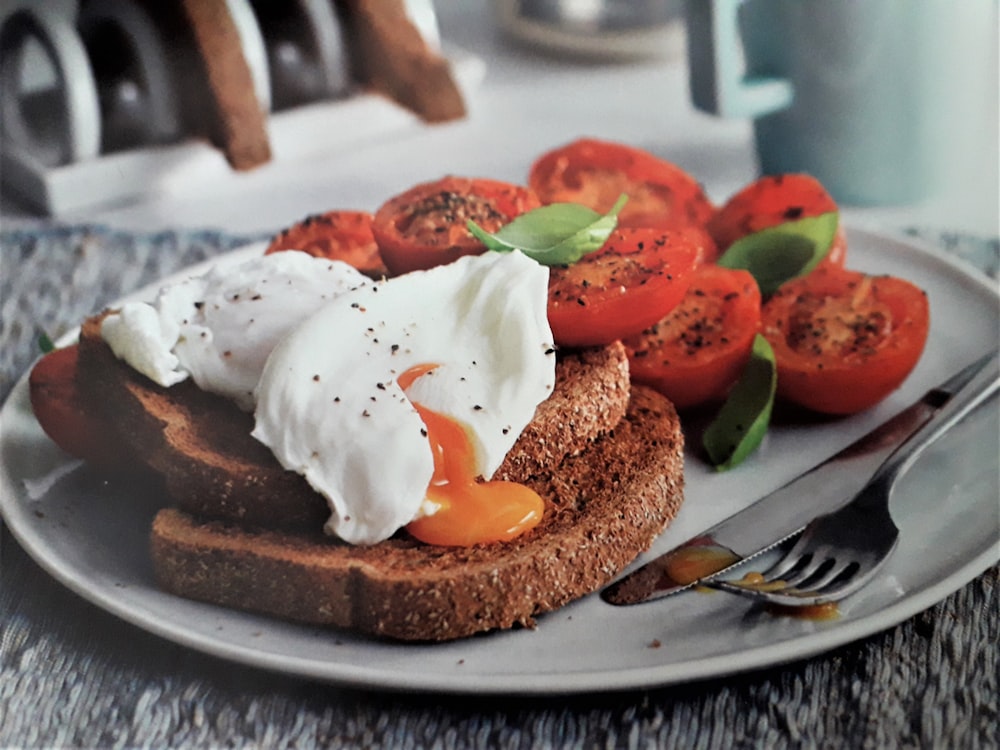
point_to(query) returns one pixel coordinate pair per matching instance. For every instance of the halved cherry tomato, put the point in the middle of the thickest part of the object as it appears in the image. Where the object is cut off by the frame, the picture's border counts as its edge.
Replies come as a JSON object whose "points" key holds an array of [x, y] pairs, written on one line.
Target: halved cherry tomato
{"points": [[60, 411], [773, 200], [595, 173], [636, 278], [426, 226], [337, 235], [843, 341], [708, 251], [695, 354]]}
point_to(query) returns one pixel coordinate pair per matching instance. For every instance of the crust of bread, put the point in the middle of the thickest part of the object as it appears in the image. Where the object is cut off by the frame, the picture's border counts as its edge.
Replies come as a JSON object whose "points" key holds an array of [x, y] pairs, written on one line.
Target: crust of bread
{"points": [[603, 507], [201, 444]]}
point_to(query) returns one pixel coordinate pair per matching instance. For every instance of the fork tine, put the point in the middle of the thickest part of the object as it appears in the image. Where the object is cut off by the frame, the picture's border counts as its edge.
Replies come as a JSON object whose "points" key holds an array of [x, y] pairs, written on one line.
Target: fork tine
{"points": [[792, 558], [819, 564], [840, 573]]}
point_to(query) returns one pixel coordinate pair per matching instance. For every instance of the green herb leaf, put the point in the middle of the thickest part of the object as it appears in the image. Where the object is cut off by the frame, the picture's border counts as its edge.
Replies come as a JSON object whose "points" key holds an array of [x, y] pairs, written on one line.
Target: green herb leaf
{"points": [[784, 252], [742, 422], [45, 343], [553, 235]]}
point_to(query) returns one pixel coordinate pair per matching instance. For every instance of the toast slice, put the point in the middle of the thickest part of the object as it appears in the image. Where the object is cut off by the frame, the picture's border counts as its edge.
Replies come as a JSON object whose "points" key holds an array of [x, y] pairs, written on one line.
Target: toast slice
{"points": [[604, 506], [390, 56], [246, 533], [201, 445], [239, 119]]}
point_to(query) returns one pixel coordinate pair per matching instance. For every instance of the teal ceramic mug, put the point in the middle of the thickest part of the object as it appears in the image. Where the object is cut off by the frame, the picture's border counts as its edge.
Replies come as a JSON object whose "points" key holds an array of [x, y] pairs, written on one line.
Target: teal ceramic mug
{"points": [[869, 96]]}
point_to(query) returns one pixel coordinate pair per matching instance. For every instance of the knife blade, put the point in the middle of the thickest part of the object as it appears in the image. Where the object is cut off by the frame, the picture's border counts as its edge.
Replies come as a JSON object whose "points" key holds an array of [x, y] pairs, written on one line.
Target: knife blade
{"points": [[786, 511]]}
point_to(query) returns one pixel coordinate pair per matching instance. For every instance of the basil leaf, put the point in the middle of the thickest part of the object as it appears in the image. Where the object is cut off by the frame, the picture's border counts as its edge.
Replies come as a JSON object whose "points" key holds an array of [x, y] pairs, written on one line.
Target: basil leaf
{"points": [[45, 343], [740, 425], [783, 252], [553, 235]]}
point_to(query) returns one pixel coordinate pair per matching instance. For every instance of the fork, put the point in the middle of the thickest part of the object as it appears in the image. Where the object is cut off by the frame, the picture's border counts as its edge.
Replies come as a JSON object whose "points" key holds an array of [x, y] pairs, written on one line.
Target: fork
{"points": [[839, 552]]}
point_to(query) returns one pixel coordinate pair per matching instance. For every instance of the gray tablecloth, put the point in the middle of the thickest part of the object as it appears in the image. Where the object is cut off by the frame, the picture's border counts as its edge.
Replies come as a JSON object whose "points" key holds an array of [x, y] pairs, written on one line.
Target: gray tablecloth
{"points": [[72, 675]]}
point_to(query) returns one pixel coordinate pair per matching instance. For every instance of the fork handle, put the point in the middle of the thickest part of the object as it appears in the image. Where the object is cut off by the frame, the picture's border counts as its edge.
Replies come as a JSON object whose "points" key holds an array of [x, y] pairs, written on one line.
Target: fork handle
{"points": [[964, 393]]}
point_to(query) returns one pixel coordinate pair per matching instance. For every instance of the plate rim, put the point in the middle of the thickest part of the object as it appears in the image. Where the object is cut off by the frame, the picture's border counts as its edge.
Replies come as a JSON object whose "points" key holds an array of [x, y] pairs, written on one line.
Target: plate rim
{"points": [[352, 674]]}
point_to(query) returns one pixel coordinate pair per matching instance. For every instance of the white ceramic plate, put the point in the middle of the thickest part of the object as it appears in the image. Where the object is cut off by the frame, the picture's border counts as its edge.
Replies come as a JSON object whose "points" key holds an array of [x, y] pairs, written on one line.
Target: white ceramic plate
{"points": [[92, 536]]}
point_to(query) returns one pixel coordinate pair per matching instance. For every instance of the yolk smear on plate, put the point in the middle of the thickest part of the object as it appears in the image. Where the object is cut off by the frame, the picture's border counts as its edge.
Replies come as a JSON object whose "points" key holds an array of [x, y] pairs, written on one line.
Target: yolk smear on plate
{"points": [[470, 511], [691, 563]]}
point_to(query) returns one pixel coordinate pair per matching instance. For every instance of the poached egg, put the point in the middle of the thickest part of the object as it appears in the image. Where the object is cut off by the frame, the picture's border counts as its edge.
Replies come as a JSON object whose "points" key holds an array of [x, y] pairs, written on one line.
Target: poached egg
{"points": [[317, 351], [330, 405], [220, 328]]}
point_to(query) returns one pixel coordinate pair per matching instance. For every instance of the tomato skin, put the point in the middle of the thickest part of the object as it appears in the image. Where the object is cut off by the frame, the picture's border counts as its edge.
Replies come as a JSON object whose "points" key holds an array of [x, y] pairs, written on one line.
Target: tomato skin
{"points": [[695, 354], [595, 173], [336, 235], [844, 341], [707, 249], [60, 411], [425, 226], [636, 278], [773, 200]]}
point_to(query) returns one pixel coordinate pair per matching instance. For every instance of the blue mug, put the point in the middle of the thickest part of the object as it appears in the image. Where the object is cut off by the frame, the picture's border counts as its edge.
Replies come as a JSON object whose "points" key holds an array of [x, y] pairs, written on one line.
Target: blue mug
{"points": [[868, 96]]}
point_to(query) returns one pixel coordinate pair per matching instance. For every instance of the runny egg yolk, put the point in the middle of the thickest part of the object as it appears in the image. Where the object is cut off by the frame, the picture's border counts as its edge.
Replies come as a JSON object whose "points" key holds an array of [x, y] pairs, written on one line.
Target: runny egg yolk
{"points": [[470, 511]]}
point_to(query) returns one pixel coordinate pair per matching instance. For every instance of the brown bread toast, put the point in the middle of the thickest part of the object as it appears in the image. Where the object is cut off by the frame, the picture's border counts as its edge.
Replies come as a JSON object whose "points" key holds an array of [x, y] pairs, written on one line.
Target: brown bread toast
{"points": [[246, 533], [388, 56], [201, 444], [239, 119], [603, 507], [391, 57]]}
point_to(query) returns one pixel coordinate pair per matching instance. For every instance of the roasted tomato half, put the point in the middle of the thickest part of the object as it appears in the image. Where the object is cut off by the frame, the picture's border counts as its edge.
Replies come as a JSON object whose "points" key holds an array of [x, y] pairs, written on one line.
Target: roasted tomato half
{"points": [[773, 200], [636, 278], [337, 235], [695, 354], [843, 341], [595, 173], [60, 411], [426, 226], [708, 251]]}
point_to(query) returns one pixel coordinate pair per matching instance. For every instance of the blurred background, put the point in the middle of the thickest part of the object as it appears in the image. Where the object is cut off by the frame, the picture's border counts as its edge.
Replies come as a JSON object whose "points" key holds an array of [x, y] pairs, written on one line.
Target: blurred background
{"points": [[107, 113]]}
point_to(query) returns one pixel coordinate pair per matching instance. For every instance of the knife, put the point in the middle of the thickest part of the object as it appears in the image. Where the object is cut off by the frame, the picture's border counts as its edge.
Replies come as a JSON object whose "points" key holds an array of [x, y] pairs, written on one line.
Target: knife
{"points": [[786, 511]]}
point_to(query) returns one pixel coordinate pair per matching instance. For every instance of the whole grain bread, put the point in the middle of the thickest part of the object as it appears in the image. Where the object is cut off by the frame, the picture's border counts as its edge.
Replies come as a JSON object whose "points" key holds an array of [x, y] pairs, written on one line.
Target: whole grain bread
{"points": [[201, 445], [240, 123], [390, 56], [603, 506], [245, 533]]}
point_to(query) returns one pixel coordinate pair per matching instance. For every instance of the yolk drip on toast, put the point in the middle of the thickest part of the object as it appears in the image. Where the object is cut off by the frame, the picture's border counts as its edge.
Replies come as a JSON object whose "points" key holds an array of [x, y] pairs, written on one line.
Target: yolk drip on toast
{"points": [[470, 511]]}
